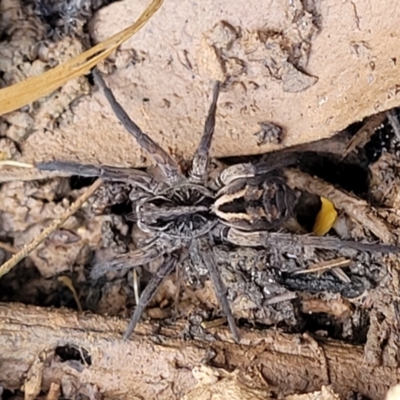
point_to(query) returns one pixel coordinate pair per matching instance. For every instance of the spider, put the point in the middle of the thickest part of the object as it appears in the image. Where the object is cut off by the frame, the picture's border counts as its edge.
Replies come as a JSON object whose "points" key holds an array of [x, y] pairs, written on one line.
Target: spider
{"points": [[190, 209]]}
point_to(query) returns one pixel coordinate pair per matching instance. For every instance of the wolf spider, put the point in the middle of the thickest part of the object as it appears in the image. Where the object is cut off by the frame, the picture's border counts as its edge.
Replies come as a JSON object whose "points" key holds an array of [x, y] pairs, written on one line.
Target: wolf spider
{"points": [[189, 209]]}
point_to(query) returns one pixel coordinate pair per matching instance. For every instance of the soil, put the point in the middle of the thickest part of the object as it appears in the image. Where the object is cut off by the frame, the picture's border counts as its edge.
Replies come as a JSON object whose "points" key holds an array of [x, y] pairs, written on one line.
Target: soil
{"points": [[345, 319]]}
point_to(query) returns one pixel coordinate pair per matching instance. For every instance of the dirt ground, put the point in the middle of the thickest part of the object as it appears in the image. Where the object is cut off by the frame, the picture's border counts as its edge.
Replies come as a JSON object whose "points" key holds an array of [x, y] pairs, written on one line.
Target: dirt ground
{"points": [[312, 69]]}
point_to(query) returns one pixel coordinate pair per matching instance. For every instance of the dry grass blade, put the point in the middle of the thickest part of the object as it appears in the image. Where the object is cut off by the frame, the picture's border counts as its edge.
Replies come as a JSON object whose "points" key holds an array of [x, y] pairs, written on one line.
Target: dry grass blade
{"points": [[281, 298], [339, 273], [66, 280], [325, 265], [12, 163], [22, 93], [16, 258]]}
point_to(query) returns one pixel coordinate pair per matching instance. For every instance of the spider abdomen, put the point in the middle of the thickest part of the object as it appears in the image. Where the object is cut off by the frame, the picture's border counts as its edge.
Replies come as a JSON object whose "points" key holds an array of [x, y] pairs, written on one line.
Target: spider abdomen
{"points": [[255, 204]]}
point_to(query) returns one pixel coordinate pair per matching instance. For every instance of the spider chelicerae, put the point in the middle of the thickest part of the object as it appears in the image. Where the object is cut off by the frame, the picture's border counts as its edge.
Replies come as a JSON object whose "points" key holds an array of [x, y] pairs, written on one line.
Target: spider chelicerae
{"points": [[191, 210]]}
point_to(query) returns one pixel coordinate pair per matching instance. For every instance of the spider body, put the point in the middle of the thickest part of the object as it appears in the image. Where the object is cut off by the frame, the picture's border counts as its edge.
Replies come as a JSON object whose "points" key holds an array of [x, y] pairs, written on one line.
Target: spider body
{"points": [[190, 211], [182, 211], [260, 203]]}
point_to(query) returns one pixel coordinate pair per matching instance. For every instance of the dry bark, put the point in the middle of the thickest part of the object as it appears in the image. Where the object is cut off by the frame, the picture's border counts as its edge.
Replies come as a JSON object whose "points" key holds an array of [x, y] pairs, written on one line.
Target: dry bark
{"points": [[158, 363]]}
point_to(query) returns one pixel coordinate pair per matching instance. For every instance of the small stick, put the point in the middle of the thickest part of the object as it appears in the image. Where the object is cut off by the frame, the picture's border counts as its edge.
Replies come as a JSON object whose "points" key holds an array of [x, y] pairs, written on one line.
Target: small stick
{"points": [[213, 324], [12, 163], [281, 298], [56, 224], [324, 265], [364, 134]]}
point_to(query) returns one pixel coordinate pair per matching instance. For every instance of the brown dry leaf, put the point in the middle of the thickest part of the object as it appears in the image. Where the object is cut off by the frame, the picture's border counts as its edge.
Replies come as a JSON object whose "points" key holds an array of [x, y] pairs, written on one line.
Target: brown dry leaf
{"points": [[23, 93], [326, 218], [56, 224]]}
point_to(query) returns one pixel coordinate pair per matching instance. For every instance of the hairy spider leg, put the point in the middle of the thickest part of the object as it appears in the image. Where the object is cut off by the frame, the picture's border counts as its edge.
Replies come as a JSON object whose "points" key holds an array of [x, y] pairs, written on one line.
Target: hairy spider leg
{"points": [[127, 261], [206, 256], [138, 178], [166, 163], [268, 239], [150, 290], [273, 162], [200, 159]]}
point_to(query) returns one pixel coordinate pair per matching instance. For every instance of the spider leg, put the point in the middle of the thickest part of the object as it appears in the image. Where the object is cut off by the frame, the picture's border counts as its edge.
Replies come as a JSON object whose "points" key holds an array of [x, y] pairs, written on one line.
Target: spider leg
{"points": [[150, 290], [130, 260], [268, 239], [205, 254], [247, 170], [134, 176], [200, 158], [160, 156]]}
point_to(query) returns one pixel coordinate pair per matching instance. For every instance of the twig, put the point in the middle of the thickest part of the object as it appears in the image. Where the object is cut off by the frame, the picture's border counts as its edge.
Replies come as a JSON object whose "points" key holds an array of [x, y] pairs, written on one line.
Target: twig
{"points": [[11, 163], [324, 265], [364, 133], [281, 297], [213, 324], [28, 331], [16, 258]]}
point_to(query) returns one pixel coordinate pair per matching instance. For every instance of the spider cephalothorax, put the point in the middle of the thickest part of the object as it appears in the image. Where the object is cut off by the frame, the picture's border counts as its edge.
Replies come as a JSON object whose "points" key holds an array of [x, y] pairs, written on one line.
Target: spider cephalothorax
{"points": [[191, 210], [182, 211]]}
